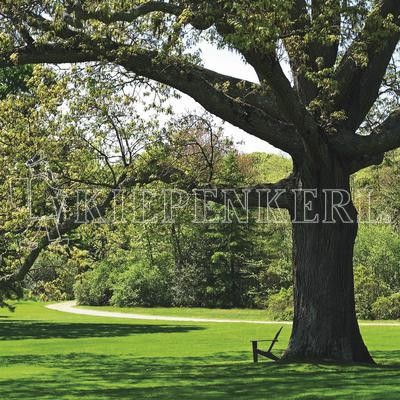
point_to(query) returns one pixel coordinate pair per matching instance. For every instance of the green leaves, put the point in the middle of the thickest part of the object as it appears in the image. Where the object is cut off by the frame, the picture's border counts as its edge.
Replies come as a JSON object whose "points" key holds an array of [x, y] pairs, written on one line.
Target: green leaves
{"points": [[14, 80]]}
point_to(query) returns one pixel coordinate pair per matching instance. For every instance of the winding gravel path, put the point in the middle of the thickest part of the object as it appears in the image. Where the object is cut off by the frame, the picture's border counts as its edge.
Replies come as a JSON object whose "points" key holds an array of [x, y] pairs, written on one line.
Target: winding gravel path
{"points": [[70, 307]]}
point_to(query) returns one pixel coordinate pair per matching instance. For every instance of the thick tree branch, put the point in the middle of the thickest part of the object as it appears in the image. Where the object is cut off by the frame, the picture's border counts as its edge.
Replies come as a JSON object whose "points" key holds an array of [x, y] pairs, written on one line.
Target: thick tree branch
{"points": [[324, 12], [366, 161], [317, 53], [77, 14], [207, 88], [360, 83], [300, 26], [235, 101], [270, 72], [125, 16], [372, 147]]}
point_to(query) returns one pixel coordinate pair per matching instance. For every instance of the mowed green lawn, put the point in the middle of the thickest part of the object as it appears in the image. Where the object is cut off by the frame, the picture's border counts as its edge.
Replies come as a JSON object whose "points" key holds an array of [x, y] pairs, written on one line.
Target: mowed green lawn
{"points": [[46, 354]]}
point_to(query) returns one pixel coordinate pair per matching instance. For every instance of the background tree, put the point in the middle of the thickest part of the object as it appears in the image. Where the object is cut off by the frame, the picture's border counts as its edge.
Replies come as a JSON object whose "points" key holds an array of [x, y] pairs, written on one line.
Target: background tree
{"points": [[61, 137], [12, 81], [338, 53]]}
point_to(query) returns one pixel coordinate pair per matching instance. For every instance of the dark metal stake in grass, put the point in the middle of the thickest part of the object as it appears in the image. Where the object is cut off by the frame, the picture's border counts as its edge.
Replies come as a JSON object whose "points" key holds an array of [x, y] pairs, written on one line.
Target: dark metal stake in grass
{"points": [[268, 353]]}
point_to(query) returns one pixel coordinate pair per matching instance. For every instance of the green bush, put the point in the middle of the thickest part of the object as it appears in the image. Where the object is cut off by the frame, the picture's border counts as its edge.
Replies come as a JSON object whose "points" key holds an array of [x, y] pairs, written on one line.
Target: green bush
{"points": [[50, 291], [189, 287], [94, 288], [142, 285], [55, 273], [280, 305], [378, 251], [368, 288], [387, 307], [274, 276]]}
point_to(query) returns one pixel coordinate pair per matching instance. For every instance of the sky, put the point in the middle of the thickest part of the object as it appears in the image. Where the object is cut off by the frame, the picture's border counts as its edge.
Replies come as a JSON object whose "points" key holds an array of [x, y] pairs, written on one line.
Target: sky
{"points": [[228, 63]]}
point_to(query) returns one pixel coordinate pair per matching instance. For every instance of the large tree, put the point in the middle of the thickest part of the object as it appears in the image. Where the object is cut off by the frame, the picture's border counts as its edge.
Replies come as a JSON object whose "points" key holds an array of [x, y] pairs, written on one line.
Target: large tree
{"points": [[338, 53]]}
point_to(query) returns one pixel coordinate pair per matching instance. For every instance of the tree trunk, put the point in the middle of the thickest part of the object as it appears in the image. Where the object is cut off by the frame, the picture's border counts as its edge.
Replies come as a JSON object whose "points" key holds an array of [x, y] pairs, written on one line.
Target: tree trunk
{"points": [[325, 326]]}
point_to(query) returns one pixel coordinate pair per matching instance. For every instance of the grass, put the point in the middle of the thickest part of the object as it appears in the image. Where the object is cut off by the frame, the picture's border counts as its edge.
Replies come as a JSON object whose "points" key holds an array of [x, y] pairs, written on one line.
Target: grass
{"points": [[45, 354]]}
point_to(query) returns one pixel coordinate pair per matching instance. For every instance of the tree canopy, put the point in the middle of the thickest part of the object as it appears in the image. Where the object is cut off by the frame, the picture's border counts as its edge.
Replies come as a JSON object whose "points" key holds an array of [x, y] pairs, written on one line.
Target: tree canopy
{"points": [[338, 54]]}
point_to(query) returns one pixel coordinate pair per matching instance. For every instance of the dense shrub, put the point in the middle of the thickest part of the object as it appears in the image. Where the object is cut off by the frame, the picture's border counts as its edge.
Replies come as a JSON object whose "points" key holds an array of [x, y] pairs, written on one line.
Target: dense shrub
{"points": [[189, 287], [387, 307], [55, 273], [377, 267], [142, 285], [272, 278], [50, 291], [94, 288], [378, 251], [368, 288], [280, 305]]}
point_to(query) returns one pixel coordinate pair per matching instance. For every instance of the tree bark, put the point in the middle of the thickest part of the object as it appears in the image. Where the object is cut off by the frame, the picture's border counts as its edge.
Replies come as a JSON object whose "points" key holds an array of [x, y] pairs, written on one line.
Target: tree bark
{"points": [[325, 326]]}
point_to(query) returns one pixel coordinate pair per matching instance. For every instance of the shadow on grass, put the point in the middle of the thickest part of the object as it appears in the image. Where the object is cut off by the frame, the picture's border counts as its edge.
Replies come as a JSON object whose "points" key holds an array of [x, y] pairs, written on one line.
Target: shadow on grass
{"points": [[230, 375], [222, 376], [19, 330]]}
